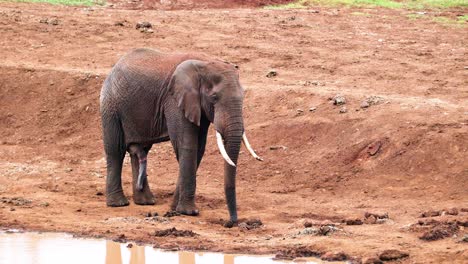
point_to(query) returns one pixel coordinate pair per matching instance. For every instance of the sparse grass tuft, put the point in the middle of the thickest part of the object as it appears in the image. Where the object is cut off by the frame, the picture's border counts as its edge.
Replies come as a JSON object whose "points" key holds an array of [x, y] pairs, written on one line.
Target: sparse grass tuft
{"points": [[361, 14], [64, 2], [409, 4]]}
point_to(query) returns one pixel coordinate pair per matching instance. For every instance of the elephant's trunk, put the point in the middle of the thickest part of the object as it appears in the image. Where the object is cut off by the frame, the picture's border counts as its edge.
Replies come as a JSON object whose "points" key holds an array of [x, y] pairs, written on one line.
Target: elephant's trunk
{"points": [[232, 137]]}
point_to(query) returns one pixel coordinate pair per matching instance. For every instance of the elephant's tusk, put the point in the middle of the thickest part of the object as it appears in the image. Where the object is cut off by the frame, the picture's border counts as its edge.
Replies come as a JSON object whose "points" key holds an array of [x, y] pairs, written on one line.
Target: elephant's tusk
{"points": [[249, 148], [219, 139]]}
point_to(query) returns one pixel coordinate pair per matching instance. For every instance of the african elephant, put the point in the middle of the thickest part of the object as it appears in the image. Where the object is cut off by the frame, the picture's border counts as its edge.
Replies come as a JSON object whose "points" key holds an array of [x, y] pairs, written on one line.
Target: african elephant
{"points": [[151, 97]]}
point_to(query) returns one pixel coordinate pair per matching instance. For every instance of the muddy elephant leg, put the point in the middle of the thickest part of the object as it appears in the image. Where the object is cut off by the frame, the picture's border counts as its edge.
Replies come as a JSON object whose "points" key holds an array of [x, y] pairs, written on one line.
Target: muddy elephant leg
{"points": [[138, 156], [114, 194], [203, 133], [114, 147], [185, 143]]}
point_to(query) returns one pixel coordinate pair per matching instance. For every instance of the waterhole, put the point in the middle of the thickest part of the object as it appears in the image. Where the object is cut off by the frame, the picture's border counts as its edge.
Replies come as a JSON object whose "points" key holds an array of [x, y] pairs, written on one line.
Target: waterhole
{"points": [[49, 248]]}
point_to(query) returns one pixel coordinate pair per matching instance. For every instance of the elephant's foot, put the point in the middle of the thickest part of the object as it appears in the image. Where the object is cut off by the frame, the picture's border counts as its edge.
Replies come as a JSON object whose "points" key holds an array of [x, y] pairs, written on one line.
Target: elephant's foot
{"points": [[144, 197], [187, 209], [116, 199]]}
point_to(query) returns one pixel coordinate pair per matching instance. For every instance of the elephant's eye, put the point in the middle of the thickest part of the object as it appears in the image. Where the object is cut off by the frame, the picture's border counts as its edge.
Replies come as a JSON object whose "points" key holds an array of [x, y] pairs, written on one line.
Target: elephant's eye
{"points": [[214, 98]]}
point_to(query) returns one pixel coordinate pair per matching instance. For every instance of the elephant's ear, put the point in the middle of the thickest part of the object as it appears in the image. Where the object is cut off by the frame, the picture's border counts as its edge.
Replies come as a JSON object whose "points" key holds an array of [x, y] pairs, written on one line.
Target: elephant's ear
{"points": [[185, 87]]}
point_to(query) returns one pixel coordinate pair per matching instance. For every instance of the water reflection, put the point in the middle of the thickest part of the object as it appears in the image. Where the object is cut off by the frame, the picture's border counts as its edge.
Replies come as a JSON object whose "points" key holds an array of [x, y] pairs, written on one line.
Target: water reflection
{"points": [[115, 251], [62, 248]]}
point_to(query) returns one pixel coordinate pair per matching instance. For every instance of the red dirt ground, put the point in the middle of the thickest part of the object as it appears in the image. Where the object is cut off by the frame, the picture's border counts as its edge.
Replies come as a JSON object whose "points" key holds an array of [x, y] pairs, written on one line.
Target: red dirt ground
{"points": [[403, 156]]}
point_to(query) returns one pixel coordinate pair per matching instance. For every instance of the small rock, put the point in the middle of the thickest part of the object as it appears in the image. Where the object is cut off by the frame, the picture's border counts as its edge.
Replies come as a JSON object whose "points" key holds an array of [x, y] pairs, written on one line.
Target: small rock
{"points": [[370, 220], [144, 27], [44, 204], [372, 260], [130, 245], [392, 254], [120, 239], [278, 147], [339, 100], [334, 256], [312, 109], [143, 24], [451, 211], [99, 193], [171, 214], [12, 209], [365, 104], [343, 110], [353, 221], [308, 224], [464, 238], [271, 73], [148, 214], [155, 214], [430, 213], [373, 149], [121, 23], [381, 221]]}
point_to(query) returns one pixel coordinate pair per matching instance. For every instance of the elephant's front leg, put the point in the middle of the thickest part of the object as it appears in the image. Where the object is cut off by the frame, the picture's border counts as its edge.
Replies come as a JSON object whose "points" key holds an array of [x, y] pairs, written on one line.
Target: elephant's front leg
{"points": [[187, 149]]}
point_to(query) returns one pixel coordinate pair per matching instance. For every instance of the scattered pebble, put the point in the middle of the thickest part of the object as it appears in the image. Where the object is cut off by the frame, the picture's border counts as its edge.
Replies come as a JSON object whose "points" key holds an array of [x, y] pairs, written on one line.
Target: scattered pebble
{"points": [[440, 231], [99, 193], [120, 239], [343, 110], [464, 238], [130, 245], [334, 256], [372, 260], [145, 27], [278, 147], [175, 233], [171, 214], [353, 221], [392, 254], [339, 100], [250, 224], [312, 109], [373, 149], [49, 21], [365, 104], [121, 23], [271, 73], [430, 213]]}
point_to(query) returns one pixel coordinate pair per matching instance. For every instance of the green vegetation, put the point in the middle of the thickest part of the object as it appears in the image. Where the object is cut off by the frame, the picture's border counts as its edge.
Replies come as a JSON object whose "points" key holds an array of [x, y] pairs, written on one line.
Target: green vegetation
{"points": [[361, 14], [66, 2], [409, 4]]}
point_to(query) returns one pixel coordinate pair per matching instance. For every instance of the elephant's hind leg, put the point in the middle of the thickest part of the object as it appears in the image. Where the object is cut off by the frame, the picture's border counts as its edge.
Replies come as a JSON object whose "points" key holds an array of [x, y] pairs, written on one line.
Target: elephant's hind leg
{"points": [[138, 155], [115, 153]]}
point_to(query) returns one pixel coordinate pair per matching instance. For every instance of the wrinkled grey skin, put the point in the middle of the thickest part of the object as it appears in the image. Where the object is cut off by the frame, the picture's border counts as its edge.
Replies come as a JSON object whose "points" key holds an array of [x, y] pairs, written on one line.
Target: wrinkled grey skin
{"points": [[151, 97]]}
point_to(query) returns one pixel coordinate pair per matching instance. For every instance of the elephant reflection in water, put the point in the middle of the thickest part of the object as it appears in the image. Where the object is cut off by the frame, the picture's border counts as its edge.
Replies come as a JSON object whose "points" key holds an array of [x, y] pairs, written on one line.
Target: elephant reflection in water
{"points": [[114, 254], [137, 255]]}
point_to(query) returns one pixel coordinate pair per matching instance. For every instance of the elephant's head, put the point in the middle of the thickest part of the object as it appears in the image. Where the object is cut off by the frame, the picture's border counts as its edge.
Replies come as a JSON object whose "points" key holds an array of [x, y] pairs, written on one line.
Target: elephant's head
{"points": [[211, 89]]}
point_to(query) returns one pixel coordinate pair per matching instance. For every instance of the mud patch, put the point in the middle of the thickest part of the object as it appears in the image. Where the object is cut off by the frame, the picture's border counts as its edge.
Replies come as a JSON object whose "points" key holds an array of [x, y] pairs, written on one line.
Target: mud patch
{"points": [[440, 231], [392, 254], [300, 252], [250, 224], [16, 201], [173, 232]]}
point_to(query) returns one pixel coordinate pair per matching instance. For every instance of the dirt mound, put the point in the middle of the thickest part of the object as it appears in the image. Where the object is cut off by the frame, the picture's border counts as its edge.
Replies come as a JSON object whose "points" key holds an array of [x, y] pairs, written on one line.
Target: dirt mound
{"points": [[175, 233]]}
